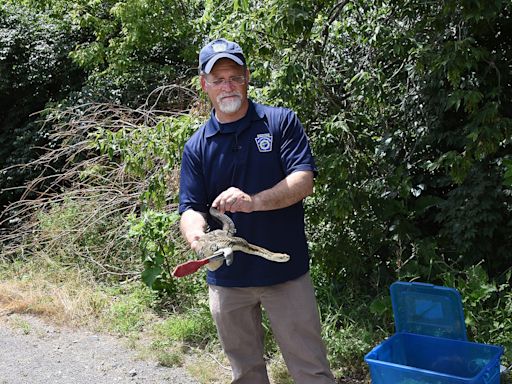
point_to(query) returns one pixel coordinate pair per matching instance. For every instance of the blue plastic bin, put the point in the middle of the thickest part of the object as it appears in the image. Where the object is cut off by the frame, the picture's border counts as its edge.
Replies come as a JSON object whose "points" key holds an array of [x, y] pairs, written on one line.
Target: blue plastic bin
{"points": [[430, 344]]}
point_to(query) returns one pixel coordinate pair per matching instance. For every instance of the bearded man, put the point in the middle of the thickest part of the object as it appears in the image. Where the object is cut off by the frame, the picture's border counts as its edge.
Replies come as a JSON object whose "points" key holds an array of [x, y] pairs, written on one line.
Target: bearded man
{"points": [[254, 163]]}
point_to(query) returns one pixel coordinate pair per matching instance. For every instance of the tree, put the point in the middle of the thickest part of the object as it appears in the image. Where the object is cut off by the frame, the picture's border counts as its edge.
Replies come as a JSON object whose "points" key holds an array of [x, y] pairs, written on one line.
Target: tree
{"points": [[407, 106], [36, 70]]}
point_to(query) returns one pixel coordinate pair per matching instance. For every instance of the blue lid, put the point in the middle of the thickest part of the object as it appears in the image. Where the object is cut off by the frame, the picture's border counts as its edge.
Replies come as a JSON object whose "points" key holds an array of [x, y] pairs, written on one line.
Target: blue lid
{"points": [[428, 309]]}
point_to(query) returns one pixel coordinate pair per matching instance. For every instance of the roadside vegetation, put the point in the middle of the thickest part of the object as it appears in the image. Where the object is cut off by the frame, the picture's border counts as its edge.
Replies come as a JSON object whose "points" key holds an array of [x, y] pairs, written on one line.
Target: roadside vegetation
{"points": [[407, 106]]}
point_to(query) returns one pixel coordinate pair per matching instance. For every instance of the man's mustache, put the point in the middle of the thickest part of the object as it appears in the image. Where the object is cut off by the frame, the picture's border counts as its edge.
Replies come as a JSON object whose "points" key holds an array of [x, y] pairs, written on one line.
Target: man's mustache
{"points": [[228, 94]]}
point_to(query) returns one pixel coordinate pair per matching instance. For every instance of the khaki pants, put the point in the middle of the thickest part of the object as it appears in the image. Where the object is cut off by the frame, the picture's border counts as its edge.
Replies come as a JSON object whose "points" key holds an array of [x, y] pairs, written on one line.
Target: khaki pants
{"points": [[292, 310]]}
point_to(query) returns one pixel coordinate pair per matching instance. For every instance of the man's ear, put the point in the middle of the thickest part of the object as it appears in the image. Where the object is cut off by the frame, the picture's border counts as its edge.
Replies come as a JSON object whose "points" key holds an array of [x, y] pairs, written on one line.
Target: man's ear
{"points": [[203, 82], [247, 74]]}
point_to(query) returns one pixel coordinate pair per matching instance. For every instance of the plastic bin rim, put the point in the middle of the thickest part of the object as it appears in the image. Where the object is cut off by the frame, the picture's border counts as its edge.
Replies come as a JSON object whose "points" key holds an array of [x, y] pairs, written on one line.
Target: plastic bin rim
{"points": [[440, 337]]}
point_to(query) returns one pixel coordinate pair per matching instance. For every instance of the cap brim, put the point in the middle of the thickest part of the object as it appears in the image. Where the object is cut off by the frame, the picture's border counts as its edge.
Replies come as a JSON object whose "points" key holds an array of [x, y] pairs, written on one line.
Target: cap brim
{"points": [[209, 65]]}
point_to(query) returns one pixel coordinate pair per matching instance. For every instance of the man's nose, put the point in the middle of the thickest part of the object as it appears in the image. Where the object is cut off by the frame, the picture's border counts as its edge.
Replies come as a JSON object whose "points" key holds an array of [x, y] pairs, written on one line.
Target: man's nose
{"points": [[228, 84]]}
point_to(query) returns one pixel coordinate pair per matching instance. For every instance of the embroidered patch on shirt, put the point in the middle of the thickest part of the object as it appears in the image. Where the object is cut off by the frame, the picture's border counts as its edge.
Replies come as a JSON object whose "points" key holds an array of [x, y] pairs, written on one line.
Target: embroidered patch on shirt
{"points": [[264, 142]]}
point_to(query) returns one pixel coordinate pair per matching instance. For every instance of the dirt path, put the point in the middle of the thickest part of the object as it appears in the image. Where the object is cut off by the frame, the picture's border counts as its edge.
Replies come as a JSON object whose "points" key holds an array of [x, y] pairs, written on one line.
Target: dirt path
{"points": [[33, 352]]}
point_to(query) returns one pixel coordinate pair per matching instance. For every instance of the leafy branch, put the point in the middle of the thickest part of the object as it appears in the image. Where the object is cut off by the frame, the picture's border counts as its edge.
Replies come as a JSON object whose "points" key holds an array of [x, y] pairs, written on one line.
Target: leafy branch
{"points": [[104, 177]]}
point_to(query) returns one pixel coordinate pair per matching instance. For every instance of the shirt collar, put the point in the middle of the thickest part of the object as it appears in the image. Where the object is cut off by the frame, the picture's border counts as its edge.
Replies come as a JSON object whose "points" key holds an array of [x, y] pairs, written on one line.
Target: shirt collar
{"points": [[212, 126]]}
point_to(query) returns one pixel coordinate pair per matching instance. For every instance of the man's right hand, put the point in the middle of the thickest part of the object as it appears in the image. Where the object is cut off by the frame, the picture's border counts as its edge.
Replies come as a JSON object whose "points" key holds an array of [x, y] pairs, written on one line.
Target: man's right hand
{"points": [[194, 245], [193, 225]]}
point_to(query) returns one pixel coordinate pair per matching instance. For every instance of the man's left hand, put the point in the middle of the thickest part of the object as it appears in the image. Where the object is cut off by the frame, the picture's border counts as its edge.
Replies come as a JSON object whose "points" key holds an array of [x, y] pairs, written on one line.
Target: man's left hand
{"points": [[234, 200]]}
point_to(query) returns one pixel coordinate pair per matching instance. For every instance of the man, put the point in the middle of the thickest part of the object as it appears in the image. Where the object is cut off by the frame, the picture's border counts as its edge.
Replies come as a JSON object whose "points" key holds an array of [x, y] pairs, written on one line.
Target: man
{"points": [[254, 163]]}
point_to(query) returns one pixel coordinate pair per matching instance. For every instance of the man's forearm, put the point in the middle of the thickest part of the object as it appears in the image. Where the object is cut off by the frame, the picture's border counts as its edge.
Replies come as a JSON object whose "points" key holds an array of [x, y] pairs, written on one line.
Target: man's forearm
{"points": [[288, 191]]}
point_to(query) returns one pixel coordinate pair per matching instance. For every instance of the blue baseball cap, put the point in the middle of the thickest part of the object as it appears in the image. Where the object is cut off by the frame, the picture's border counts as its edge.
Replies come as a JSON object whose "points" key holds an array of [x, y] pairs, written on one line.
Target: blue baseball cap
{"points": [[218, 49]]}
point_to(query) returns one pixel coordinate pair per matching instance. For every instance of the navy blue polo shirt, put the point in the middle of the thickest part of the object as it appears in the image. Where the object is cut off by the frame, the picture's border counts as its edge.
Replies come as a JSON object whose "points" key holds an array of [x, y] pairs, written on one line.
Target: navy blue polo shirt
{"points": [[252, 154]]}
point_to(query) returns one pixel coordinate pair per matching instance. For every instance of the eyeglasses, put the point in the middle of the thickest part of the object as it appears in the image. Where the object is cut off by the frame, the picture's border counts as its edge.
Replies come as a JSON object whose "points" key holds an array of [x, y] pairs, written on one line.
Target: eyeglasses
{"points": [[238, 80]]}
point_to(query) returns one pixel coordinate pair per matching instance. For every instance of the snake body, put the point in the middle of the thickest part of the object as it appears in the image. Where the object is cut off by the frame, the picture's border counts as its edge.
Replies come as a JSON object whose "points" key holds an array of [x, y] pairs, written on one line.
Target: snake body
{"points": [[217, 239]]}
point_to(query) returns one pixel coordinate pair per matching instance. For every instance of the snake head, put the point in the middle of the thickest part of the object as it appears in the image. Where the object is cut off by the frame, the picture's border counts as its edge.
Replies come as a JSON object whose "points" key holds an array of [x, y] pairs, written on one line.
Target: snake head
{"points": [[206, 247], [212, 247]]}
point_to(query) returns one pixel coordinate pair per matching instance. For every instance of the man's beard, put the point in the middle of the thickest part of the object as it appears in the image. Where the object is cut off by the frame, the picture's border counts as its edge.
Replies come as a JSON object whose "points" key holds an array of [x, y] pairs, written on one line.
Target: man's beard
{"points": [[232, 105]]}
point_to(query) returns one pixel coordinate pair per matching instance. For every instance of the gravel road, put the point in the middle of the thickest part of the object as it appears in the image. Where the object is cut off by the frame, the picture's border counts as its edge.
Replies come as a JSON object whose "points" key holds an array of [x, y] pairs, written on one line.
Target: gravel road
{"points": [[33, 352]]}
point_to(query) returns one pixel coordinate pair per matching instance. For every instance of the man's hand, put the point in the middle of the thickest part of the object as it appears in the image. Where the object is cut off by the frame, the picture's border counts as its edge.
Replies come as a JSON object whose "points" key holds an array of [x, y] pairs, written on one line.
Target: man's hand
{"points": [[192, 225], [234, 200], [292, 189], [195, 243]]}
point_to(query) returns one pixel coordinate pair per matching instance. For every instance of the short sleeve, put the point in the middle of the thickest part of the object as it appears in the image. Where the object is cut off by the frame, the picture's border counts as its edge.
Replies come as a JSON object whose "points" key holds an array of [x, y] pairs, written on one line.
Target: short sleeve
{"points": [[192, 184], [295, 149]]}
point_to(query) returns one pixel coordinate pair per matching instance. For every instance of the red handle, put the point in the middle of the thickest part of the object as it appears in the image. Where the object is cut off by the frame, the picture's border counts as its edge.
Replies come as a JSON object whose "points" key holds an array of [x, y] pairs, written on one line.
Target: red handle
{"points": [[189, 267]]}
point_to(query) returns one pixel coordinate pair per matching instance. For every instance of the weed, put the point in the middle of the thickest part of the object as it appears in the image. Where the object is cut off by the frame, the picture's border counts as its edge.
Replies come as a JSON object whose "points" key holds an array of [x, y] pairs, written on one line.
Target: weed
{"points": [[194, 326], [21, 324], [170, 359], [506, 376], [130, 310], [209, 366], [80, 235], [278, 371], [166, 353], [347, 342], [487, 306]]}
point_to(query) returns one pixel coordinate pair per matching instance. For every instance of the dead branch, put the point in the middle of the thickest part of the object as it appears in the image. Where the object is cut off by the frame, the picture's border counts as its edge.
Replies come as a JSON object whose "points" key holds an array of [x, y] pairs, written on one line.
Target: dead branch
{"points": [[102, 198]]}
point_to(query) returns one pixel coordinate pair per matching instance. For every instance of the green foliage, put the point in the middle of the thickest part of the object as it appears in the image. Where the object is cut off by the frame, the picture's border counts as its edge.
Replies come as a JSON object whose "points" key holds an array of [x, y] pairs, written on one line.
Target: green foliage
{"points": [[35, 70], [134, 46], [195, 326], [412, 189], [76, 234], [346, 342], [128, 314], [487, 305], [407, 106], [156, 235], [153, 231], [151, 154]]}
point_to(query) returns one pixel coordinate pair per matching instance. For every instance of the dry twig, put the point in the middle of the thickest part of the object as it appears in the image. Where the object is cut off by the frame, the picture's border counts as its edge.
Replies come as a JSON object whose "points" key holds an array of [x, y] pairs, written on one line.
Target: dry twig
{"points": [[104, 198]]}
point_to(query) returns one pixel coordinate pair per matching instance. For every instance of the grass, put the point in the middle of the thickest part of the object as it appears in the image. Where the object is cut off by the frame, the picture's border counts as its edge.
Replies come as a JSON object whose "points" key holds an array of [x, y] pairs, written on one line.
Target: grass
{"points": [[73, 297], [42, 288], [211, 367], [21, 324], [129, 310], [195, 326], [278, 371], [64, 283], [346, 342]]}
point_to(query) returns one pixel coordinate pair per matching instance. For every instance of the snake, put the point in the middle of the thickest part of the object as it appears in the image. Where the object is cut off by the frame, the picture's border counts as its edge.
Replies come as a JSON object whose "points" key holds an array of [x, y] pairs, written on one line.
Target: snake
{"points": [[218, 239]]}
